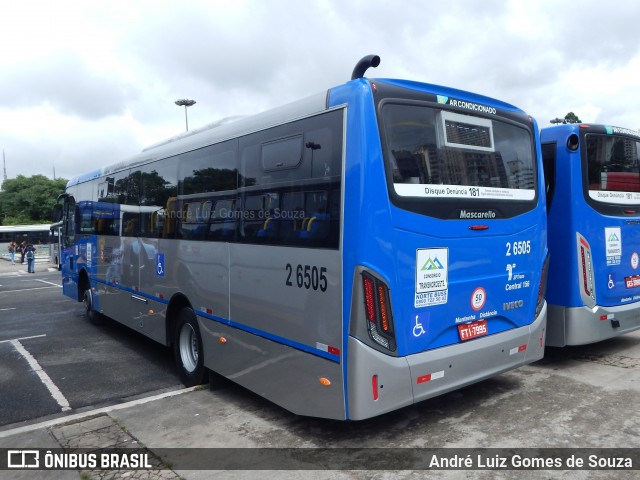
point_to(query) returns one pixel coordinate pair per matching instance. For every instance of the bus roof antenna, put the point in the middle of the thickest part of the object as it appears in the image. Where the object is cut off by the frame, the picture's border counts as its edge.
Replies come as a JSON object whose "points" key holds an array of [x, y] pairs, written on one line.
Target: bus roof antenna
{"points": [[364, 64]]}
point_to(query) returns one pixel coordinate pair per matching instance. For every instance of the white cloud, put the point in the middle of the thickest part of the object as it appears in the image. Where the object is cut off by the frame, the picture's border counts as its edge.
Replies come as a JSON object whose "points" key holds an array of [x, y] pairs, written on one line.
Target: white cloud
{"points": [[84, 84]]}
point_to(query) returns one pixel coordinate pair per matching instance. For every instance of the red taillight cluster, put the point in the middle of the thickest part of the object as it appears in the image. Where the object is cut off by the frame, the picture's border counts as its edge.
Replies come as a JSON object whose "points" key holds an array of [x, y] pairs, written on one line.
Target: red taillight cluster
{"points": [[542, 289], [585, 277], [587, 272], [378, 312], [369, 297]]}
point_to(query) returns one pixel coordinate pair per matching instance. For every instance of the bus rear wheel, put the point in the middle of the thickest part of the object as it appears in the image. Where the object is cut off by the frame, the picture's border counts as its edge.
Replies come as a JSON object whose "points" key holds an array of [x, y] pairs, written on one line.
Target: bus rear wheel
{"points": [[90, 313], [187, 349]]}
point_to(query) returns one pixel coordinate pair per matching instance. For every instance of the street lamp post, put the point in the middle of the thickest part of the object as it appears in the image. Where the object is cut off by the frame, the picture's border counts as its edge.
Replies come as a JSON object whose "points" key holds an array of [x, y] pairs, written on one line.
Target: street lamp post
{"points": [[184, 102]]}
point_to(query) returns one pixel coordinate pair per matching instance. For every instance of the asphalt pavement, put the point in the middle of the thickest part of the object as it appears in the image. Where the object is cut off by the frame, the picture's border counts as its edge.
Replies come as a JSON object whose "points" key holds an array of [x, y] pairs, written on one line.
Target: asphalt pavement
{"points": [[577, 398]]}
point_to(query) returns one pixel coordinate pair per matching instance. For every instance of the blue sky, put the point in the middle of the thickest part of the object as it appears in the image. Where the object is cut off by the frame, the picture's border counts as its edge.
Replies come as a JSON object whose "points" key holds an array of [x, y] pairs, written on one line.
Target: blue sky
{"points": [[86, 84]]}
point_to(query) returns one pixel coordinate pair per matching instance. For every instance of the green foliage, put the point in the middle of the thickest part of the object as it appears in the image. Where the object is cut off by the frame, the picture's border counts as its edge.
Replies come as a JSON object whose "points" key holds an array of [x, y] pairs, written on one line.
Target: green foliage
{"points": [[29, 200], [568, 118], [210, 180], [572, 118]]}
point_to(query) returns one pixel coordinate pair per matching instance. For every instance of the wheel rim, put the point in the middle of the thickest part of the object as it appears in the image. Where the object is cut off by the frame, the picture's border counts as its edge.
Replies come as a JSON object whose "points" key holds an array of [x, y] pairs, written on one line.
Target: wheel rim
{"points": [[188, 344]]}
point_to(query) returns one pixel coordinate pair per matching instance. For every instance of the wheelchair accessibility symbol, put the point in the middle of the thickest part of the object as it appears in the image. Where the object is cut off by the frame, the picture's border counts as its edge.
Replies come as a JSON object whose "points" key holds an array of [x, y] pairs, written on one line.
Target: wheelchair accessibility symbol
{"points": [[418, 329], [160, 264]]}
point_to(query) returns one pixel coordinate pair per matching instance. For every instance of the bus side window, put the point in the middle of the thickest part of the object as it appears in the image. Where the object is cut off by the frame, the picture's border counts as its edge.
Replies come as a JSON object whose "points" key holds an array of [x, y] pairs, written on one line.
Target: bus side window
{"points": [[257, 222], [316, 226], [193, 224], [288, 175], [222, 221], [292, 217], [169, 225], [549, 164]]}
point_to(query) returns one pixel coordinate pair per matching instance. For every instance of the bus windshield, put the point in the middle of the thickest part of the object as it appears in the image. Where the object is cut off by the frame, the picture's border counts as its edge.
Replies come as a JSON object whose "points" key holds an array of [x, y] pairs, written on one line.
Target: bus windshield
{"points": [[433, 153], [613, 168]]}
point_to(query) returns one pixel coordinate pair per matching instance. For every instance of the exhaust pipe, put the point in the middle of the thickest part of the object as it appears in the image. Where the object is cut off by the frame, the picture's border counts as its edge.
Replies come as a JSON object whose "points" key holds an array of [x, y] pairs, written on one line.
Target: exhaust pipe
{"points": [[364, 64]]}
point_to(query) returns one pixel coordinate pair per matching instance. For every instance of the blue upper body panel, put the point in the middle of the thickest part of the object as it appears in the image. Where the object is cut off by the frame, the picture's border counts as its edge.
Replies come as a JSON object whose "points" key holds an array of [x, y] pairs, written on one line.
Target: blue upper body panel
{"points": [[612, 239], [498, 266]]}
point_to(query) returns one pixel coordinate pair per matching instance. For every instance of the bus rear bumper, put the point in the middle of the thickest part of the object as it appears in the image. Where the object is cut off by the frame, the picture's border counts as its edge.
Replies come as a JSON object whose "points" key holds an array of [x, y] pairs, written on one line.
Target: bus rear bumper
{"points": [[583, 325], [406, 380]]}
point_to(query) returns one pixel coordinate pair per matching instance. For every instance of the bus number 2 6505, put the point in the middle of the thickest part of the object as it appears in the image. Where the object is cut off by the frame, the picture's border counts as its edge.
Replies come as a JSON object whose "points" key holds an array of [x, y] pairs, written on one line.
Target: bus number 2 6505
{"points": [[309, 277]]}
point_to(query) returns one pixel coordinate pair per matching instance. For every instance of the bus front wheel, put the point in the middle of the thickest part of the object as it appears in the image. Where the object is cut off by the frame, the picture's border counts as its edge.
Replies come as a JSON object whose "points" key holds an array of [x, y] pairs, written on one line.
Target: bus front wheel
{"points": [[187, 348]]}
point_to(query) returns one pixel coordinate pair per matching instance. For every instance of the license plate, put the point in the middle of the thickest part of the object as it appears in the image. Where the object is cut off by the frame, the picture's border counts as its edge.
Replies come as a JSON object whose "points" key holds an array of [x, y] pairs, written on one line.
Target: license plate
{"points": [[471, 330]]}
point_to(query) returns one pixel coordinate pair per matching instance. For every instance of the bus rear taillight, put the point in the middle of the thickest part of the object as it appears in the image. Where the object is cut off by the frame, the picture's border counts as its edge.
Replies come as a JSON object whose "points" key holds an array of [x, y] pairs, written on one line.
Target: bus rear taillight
{"points": [[378, 312], [585, 272], [542, 289]]}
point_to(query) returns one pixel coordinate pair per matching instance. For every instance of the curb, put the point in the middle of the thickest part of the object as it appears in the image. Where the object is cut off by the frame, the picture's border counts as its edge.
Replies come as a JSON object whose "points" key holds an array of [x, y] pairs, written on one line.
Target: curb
{"points": [[93, 413]]}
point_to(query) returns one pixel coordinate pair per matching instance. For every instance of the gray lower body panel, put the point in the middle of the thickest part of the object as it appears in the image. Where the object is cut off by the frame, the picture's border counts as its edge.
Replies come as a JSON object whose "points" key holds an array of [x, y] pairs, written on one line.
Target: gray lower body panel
{"points": [[282, 374], [584, 325], [406, 380]]}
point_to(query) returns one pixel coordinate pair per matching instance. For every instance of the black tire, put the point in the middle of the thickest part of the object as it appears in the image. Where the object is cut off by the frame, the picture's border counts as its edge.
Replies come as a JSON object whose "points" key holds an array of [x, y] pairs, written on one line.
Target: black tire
{"points": [[87, 301], [187, 349], [90, 313]]}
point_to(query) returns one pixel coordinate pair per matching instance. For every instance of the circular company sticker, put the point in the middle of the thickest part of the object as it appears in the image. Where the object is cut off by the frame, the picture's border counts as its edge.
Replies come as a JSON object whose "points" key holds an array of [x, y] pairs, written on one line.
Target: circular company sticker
{"points": [[478, 297], [634, 260]]}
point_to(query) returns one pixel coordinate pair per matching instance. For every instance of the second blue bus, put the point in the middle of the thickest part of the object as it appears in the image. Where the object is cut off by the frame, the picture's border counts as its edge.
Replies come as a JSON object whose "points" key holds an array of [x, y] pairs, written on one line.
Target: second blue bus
{"points": [[593, 199]]}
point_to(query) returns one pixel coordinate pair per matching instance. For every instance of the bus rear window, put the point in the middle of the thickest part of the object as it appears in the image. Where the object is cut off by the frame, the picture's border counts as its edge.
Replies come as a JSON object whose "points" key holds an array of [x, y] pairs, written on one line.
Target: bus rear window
{"points": [[613, 167], [441, 154]]}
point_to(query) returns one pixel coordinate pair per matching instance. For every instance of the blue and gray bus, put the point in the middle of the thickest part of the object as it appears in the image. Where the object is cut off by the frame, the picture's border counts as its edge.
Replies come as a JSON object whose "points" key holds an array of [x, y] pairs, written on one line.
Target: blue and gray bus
{"points": [[354, 252], [592, 177]]}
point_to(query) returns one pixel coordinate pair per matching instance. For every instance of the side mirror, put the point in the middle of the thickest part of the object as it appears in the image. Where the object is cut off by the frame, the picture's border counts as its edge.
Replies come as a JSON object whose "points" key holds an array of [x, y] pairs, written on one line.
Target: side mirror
{"points": [[56, 213]]}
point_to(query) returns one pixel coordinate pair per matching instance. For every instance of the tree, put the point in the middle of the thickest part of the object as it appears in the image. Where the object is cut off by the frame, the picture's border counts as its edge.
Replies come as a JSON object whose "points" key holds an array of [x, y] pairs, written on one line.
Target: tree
{"points": [[29, 200], [571, 118], [568, 118]]}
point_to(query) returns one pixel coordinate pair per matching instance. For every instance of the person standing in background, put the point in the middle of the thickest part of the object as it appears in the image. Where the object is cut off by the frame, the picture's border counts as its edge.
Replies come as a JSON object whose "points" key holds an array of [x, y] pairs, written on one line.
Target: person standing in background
{"points": [[22, 248], [30, 253], [12, 252]]}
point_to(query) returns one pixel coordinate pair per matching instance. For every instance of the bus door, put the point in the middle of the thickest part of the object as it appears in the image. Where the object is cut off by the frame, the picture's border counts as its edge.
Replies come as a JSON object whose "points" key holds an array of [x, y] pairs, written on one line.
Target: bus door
{"points": [[69, 254], [594, 231], [131, 256]]}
